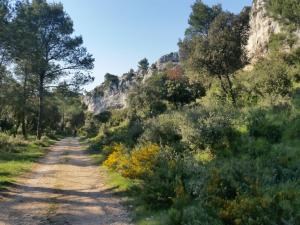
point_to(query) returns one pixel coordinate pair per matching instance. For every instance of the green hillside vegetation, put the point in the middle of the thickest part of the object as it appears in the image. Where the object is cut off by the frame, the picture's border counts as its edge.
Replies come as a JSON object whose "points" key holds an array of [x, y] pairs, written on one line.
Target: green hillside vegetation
{"points": [[208, 142], [211, 141]]}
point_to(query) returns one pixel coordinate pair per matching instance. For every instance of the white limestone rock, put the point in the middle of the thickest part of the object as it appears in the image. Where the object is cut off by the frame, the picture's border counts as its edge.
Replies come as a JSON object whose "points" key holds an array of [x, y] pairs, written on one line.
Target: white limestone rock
{"points": [[262, 26]]}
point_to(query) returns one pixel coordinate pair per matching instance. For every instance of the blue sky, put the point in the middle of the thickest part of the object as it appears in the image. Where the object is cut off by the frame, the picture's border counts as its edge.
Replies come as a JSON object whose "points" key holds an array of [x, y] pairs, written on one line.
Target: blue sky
{"points": [[121, 32]]}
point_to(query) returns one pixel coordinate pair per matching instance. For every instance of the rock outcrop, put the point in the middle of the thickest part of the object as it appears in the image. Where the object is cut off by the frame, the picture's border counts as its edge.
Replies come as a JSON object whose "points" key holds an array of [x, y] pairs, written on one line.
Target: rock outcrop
{"points": [[113, 95], [262, 26]]}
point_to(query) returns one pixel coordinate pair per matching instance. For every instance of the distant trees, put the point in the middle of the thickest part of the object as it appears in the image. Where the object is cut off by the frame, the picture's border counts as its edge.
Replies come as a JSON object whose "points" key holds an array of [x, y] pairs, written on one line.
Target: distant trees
{"points": [[37, 41], [43, 40]]}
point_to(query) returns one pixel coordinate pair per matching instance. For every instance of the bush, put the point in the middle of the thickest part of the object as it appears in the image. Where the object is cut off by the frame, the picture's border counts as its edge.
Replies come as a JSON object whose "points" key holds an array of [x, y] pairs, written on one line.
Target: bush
{"points": [[293, 130], [142, 160], [118, 159], [270, 79], [161, 188], [138, 163], [260, 126], [9, 143], [195, 129], [207, 128], [163, 130], [192, 215]]}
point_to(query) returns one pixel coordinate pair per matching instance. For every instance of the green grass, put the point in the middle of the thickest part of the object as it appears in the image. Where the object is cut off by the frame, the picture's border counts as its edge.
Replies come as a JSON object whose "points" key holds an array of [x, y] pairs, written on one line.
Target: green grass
{"points": [[19, 159]]}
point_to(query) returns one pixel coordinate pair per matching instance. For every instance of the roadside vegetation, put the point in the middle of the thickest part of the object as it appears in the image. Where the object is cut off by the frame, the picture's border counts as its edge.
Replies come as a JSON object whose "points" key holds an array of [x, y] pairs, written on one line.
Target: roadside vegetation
{"points": [[18, 155], [208, 142]]}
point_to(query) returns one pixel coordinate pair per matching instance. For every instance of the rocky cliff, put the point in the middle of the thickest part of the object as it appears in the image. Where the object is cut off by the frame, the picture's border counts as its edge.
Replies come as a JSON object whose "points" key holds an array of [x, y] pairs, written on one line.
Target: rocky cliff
{"points": [[113, 94], [262, 26]]}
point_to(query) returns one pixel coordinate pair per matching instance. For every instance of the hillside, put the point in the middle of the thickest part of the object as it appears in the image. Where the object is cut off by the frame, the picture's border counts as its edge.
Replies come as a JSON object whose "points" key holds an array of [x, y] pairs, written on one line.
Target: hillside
{"points": [[207, 135], [213, 139], [112, 94]]}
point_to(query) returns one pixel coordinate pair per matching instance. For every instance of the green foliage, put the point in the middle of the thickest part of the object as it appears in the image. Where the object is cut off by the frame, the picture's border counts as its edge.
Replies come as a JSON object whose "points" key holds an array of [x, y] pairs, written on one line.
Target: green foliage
{"points": [[274, 78], [201, 18], [111, 79], [194, 214], [147, 99], [144, 65], [42, 44], [196, 129], [180, 90], [103, 117], [160, 188], [195, 157], [219, 46], [293, 133], [286, 11], [17, 156], [260, 126], [270, 80]]}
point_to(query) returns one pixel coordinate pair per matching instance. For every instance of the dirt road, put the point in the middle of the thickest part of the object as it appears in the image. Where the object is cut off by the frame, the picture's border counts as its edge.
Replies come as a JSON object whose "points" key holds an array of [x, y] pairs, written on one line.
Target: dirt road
{"points": [[65, 188]]}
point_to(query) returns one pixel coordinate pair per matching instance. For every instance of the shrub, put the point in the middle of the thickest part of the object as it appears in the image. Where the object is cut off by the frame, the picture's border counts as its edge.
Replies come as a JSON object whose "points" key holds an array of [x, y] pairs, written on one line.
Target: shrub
{"points": [[207, 128], [260, 126], [9, 143], [163, 130], [160, 189], [146, 100], [118, 159], [271, 77], [142, 160], [127, 132], [286, 11], [135, 164], [195, 129], [293, 130], [192, 215]]}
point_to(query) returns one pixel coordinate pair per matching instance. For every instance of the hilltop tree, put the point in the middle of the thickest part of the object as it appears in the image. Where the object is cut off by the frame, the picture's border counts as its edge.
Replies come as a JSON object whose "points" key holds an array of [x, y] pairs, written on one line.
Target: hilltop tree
{"points": [[144, 65], [43, 35], [201, 18], [111, 79]]}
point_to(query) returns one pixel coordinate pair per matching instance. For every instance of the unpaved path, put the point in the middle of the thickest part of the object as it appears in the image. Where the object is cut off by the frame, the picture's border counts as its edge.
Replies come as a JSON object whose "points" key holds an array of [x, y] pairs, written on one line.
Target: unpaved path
{"points": [[65, 188]]}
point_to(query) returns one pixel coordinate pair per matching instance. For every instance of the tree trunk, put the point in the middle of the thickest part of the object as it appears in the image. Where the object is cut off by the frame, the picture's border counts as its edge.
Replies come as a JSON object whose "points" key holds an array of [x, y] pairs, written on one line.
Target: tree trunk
{"points": [[63, 120], [222, 84], [16, 129], [24, 109], [233, 97], [41, 107], [24, 128]]}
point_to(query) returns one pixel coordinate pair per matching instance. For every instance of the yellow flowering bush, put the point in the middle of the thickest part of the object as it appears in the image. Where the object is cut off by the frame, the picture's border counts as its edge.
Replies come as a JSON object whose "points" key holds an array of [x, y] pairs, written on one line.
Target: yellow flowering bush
{"points": [[118, 157], [142, 160], [134, 165]]}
